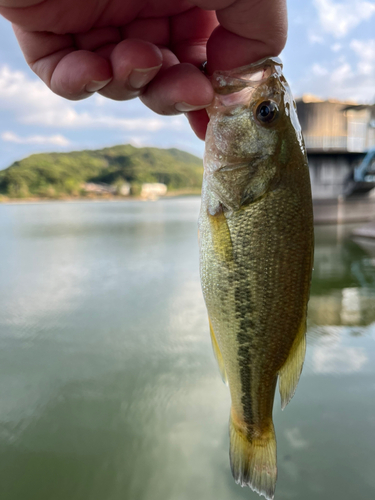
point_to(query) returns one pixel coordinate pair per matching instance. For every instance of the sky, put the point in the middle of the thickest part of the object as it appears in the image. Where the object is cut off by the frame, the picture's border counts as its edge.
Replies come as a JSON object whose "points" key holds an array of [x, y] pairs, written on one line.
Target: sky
{"points": [[330, 53]]}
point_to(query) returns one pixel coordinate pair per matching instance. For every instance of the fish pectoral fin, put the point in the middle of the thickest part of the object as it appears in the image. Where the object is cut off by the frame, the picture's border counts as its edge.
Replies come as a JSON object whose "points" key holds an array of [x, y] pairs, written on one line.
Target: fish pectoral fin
{"points": [[218, 355], [221, 238], [291, 370]]}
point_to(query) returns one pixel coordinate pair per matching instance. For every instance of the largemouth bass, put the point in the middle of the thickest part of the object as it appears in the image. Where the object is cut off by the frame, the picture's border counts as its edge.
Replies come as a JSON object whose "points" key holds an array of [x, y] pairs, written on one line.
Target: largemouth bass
{"points": [[256, 247]]}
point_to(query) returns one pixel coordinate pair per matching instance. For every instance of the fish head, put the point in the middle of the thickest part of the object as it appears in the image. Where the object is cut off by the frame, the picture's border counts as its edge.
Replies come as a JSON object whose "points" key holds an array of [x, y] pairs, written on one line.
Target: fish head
{"points": [[252, 132]]}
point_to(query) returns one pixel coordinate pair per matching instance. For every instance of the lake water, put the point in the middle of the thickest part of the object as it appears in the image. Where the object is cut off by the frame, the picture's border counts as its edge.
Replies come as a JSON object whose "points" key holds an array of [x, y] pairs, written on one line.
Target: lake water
{"points": [[108, 385]]}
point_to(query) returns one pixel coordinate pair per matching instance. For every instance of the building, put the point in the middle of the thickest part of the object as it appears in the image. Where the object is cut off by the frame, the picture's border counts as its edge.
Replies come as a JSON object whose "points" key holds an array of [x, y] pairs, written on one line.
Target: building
{"points": [[153, 190], [337, 137]]}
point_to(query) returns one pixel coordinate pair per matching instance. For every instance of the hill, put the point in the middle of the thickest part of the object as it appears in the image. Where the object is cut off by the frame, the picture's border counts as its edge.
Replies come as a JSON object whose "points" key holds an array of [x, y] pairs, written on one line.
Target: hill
{"points": [[54, 175]]}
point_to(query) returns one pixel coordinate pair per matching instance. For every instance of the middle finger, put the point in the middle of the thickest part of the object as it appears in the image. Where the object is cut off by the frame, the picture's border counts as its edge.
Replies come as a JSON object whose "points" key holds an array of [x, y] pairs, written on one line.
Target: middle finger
{"points": [[134, 64]]}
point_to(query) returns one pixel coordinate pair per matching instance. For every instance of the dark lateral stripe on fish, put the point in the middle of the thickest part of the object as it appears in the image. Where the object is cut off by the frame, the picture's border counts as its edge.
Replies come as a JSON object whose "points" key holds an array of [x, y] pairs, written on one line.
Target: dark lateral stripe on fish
{"points": [[242, 296]]}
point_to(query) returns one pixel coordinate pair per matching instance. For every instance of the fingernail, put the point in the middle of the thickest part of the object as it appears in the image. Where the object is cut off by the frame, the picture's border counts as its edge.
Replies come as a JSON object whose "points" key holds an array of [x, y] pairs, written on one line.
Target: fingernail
{"points": [[140, 77], [94, 86], [184, 107]]}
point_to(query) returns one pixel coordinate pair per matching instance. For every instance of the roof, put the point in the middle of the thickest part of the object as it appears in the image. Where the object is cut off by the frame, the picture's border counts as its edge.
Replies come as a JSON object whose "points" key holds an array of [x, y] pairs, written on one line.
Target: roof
{"points": [[309, 98]]}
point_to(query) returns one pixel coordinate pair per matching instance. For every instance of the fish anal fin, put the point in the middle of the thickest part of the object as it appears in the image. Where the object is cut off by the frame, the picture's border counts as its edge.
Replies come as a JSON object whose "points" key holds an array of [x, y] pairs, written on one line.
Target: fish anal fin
{"points": [[253, 459], [218, 355], [291, 370]]}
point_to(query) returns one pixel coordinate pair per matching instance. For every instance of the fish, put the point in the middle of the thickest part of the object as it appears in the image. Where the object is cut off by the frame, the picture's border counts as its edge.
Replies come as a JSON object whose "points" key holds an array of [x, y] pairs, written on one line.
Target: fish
{"points": [[256, 240]]}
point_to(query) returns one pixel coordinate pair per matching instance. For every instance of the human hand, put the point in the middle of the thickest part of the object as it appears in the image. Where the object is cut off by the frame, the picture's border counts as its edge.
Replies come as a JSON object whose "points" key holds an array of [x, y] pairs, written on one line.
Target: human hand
{"points": [[149, 49]]}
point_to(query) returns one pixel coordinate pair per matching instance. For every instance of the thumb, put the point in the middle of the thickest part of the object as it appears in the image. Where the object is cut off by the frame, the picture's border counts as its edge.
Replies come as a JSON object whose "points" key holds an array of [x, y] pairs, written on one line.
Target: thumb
{"points": [[249, 30]]}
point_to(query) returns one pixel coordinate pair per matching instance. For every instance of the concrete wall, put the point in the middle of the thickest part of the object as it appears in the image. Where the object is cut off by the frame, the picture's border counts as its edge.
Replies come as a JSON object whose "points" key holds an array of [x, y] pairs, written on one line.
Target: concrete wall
{"points": [[335, 126], [329, 171]]}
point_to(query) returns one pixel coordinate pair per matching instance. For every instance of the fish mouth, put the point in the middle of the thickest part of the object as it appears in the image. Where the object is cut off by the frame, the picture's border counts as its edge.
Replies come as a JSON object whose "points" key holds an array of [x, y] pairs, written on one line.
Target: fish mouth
{"points": [[233, 88], [251, 75]]}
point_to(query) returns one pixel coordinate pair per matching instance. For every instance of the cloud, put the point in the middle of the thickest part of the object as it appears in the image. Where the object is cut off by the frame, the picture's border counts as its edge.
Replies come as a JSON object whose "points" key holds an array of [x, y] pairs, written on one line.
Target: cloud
{"points": [[338, 19], [336, 47], [72, 119], [57, 140], [138, 141], [295, 438], [332, 355], [365, 51], [335, 358], [341, 74], [319, 70], [33, 103], [314, 38], [23, 95], [341, 80]]}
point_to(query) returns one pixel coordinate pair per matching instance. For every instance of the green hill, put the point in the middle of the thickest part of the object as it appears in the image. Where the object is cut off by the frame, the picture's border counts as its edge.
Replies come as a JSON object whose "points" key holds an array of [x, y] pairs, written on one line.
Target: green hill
{"points": [[54, 175]]}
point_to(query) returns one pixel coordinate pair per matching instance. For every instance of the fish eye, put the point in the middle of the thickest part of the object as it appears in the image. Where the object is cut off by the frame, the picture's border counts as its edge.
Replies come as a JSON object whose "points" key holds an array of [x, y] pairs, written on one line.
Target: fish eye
{"points": [[266, 112]]}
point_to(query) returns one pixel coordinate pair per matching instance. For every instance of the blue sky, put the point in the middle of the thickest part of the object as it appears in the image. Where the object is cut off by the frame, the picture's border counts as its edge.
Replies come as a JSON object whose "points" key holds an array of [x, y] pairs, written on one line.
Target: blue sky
{"points": [[330, 53]]}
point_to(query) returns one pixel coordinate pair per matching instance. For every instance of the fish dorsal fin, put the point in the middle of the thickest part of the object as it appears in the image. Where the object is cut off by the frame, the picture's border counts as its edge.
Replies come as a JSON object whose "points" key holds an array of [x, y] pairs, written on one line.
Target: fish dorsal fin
{"points": [[291, 370], [218, 355]]}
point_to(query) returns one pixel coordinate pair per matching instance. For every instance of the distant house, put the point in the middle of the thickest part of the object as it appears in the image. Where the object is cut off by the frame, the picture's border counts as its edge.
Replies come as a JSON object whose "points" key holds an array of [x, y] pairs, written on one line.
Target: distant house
{"points": [[337, 136], [152, 191], [123, 189]]}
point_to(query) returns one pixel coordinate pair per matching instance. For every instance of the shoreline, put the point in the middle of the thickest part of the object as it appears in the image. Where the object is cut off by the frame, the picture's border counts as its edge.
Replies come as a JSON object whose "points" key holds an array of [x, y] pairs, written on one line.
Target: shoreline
{"points": [[180, 193], [326, 211]]}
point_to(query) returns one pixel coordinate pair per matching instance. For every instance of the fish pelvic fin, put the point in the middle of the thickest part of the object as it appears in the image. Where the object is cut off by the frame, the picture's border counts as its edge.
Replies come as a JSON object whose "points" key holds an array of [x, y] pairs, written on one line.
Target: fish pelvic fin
{"points": [[218, 355], [290, 372], [253, 460]]}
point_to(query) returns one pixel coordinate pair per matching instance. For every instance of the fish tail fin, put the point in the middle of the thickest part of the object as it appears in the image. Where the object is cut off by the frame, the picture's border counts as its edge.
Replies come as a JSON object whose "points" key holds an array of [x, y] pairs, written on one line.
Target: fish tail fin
{"points": [[253, 461]]}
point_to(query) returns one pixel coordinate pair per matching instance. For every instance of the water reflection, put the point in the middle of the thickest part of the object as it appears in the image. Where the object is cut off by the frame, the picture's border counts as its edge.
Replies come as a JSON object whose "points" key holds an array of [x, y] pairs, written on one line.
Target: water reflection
{"points": [[343, 287], [342, 303]]}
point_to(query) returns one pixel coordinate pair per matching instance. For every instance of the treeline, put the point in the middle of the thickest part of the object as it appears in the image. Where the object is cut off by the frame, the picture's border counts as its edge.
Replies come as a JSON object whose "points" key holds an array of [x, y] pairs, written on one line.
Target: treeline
{"points": [[54, 175]]}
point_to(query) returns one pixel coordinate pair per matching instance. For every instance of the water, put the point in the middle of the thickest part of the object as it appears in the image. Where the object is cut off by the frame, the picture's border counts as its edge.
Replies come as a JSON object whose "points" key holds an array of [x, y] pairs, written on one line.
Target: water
{"points": [[108, 385]]}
